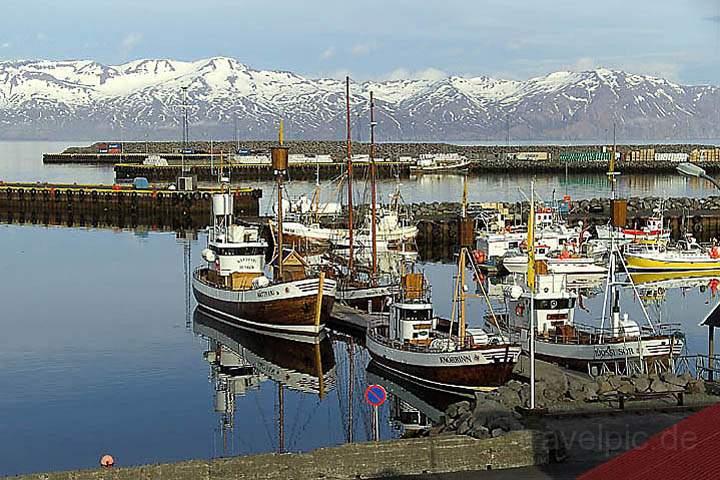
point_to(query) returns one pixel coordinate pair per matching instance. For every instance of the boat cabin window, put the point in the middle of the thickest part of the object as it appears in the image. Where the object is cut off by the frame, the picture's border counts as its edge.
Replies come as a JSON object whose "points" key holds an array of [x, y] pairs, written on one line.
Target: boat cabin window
{"points": [[513, 244], [415, 315], [239, 251], [555, 304]]}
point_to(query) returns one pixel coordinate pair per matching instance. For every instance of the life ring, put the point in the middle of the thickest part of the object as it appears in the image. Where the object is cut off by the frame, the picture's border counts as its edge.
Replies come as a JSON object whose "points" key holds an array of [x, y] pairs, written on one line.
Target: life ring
{"points": [[519, 310], [197, 196]]}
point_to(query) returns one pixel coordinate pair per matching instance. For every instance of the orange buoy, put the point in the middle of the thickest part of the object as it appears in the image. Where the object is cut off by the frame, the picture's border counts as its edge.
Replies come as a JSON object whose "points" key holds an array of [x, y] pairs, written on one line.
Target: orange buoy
{"points": [[479, 256], [107, 461]]}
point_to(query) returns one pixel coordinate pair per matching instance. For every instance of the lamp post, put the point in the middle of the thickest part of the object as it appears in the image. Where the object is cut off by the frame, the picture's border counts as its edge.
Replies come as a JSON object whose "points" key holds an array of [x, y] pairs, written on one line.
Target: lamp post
{"points": [[692, 170]]}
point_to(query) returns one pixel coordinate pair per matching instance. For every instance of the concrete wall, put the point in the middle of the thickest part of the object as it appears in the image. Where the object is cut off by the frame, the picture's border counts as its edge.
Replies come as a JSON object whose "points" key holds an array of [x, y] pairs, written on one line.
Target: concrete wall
{"points": [[359, 460]]}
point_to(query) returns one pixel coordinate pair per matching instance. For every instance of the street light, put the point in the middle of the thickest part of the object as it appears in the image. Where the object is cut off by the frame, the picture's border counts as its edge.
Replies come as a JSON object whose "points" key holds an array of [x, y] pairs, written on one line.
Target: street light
{"points": [[692, 170]]}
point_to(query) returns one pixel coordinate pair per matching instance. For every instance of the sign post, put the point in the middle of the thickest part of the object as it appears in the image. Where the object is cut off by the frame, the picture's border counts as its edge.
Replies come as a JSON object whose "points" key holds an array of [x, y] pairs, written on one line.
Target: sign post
{"points": [[375, 395]]}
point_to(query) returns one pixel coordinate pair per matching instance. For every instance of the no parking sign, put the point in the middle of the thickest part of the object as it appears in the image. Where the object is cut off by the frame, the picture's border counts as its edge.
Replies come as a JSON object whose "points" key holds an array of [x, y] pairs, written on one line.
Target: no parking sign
{"points": [[375, 395]]}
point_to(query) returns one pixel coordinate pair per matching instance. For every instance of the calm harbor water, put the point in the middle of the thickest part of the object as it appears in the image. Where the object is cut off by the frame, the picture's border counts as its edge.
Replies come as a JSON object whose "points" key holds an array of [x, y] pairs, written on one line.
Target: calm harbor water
{"points": [[101, 351]]}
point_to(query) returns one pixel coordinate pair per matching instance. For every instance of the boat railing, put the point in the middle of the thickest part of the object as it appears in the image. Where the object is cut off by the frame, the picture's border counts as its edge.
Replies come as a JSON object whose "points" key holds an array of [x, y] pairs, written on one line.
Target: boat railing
{"points": [[452, 341]]}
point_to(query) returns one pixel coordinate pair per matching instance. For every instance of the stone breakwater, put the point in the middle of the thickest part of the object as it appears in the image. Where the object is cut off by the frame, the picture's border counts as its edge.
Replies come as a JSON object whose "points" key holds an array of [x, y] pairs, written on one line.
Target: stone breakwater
{"points": [[485, 158], [504, 410], [337, 148]]}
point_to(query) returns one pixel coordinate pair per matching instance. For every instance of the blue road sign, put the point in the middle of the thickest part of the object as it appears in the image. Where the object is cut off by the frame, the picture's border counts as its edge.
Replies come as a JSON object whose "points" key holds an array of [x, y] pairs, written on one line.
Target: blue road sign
{"points": [[375, 395]]}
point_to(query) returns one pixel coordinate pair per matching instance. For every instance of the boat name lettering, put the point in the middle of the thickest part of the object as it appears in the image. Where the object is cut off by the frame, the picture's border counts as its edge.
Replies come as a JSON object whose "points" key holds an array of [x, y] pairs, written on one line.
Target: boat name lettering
{"points": [[610, 351], [268, 293], [457, 359]]}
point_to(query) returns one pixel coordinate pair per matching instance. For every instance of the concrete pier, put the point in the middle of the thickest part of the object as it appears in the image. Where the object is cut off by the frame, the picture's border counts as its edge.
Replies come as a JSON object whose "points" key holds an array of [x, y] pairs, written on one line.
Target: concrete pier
{"points": [[392, 458]]}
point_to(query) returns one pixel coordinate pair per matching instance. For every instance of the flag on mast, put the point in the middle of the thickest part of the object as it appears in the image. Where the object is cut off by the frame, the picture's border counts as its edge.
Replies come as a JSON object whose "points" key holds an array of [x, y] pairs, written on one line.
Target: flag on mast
{"points": [[531, 240]]}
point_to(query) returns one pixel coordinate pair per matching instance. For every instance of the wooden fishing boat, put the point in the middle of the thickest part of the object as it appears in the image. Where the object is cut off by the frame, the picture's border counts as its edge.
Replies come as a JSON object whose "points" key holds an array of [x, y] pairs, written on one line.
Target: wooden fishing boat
{"points": [[438, 353], [367, 291], [234, 284]]}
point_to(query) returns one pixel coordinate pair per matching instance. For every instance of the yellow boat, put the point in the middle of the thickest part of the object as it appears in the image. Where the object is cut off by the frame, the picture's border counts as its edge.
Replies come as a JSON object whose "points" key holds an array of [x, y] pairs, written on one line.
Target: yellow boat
{"points": [[672, 260]]}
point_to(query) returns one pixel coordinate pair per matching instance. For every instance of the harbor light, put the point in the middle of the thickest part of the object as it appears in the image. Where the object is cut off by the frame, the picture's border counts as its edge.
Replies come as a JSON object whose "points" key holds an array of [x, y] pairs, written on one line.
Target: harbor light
{"points": [[692, 170]]}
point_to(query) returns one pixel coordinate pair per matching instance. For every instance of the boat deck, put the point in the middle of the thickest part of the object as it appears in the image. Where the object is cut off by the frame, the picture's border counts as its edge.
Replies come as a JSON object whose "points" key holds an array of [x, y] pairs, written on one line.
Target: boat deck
{"points": [[349, 318]]}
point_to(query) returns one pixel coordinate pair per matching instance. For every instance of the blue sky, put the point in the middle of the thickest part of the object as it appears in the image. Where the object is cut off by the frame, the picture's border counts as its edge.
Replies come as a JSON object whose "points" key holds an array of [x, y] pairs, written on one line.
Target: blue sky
{"points": [[375, 39]]}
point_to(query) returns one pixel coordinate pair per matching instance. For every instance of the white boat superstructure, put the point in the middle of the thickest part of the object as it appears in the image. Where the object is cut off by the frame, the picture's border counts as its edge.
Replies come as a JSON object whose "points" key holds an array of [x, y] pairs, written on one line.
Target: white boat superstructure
{"points": [[624, 347]]}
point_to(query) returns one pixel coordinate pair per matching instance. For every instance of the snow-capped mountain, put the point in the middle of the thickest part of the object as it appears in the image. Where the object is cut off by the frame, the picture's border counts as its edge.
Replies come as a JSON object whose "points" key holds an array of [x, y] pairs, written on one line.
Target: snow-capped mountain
{"points": [[143, 98]]}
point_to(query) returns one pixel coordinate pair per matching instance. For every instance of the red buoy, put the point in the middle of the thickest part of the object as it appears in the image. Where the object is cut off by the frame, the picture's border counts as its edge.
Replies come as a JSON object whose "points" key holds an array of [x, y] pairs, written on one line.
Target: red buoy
{"points": [[107, 461]]}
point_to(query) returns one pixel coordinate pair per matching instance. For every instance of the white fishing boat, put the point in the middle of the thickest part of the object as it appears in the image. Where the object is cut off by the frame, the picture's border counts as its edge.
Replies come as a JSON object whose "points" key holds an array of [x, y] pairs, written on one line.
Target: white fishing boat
{"points": [[563, 263], [541, 315], [653, 230], [440, 162], [624, 347], [440, 354]]}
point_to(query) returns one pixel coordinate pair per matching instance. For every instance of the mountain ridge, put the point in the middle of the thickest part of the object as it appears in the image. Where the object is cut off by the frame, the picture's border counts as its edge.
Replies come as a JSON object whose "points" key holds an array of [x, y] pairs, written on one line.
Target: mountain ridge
{"points": [[84, 98]]}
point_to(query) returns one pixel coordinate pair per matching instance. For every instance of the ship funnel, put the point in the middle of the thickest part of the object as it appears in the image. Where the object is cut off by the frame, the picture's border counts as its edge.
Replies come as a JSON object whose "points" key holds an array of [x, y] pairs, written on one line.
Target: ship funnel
{"points": [[222, 204]]}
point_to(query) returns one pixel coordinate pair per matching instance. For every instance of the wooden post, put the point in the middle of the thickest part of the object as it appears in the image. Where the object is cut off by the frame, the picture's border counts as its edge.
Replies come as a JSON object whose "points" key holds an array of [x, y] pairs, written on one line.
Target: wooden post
{"points": [[319, 300]]}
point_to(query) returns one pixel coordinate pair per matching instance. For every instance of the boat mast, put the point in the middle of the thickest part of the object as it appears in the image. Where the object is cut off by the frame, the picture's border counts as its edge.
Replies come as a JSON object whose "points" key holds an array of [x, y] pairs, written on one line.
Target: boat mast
{"points": [[373, 187], [461, 267], [351, 253], [279, 156]]}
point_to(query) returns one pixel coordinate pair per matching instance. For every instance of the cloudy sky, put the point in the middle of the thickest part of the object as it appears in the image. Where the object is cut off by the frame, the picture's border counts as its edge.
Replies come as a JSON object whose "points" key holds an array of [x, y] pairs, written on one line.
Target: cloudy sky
{"points": [[677, 39]]}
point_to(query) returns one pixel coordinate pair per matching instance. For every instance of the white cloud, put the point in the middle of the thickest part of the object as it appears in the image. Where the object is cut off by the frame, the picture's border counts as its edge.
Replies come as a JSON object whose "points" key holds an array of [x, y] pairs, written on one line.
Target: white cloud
{"points": [[40, 36], [130, 41], [364, 48], [5, 45], [328, 53]]}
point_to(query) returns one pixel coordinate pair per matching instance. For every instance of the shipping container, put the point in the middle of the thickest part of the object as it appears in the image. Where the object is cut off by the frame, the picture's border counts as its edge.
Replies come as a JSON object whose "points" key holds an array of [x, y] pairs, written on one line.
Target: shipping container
{"points": [[671, 157], [529, 156], [571, 157], [705, 155], [642, 155]]}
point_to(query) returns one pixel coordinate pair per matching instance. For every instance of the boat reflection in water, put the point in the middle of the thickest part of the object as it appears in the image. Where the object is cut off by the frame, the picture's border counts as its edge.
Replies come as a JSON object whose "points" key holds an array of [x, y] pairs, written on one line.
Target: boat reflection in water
{"points": [[242, 359], [413, 407]]}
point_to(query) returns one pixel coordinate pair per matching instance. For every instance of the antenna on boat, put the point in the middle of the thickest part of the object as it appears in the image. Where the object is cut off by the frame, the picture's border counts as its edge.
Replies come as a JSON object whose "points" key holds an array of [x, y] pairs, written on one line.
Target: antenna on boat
{"points": [[350, 176], [373, 188], [279, 156]]}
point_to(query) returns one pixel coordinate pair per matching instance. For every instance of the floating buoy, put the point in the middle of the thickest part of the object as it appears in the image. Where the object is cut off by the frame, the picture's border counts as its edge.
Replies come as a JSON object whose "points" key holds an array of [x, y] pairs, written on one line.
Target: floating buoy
{"points": [[107, 461]]}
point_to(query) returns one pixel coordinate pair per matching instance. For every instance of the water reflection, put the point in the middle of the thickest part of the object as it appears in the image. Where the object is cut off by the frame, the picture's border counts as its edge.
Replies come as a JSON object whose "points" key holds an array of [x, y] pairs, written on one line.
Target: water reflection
{"points": [[412, 407]]}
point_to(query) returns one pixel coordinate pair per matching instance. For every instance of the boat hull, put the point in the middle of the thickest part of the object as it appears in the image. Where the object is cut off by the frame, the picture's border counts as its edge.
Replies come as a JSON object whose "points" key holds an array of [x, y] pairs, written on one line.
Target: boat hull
{"points": [[463, 370], [647, 264], [282, 307], [652, 352]]}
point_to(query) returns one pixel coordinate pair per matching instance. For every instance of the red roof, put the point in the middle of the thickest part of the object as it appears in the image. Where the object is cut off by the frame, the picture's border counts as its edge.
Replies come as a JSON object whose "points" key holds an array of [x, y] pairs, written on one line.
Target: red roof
{"points": [[688, 449]]}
